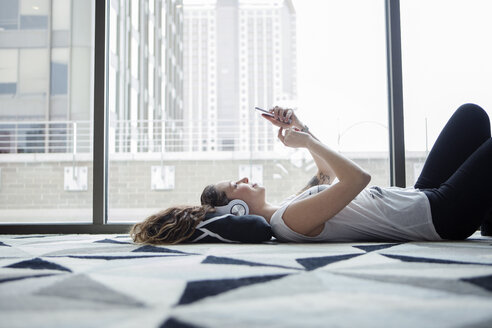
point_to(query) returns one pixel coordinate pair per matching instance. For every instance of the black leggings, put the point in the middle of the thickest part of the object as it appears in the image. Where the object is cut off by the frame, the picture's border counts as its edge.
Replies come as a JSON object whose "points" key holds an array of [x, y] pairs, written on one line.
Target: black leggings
{"points": [[457, 175]]}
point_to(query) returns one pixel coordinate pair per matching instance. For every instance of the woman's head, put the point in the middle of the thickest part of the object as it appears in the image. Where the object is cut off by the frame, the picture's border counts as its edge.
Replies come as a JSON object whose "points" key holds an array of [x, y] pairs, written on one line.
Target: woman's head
{"points": [[252, 194], [177, 224], [213, 197]]}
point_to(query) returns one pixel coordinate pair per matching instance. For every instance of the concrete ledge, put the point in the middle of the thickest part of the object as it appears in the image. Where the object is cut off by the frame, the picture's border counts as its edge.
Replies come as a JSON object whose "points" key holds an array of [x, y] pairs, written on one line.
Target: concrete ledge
{"points": [[195, 156], [72, 215]]}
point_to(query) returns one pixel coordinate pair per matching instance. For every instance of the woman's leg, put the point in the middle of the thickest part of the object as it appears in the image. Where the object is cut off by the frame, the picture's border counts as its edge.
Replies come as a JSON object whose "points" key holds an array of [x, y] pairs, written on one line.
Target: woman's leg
{"points": [[459, 204], [466, 130]]}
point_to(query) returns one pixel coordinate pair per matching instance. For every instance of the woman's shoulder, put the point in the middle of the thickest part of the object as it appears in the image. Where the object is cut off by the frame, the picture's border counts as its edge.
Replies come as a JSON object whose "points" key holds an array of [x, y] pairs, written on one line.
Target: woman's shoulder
{"points": [[277, 217]]}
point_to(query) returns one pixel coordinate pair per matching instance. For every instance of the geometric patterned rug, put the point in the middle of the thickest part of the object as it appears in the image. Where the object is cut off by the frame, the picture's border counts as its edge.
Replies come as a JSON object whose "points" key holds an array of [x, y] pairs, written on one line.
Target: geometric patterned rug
{"points": [[107, 281]]}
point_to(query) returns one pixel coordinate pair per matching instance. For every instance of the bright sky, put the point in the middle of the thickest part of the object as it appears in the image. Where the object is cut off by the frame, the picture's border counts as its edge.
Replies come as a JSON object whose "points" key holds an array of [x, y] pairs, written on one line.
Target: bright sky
{"points": [[342, 67]]}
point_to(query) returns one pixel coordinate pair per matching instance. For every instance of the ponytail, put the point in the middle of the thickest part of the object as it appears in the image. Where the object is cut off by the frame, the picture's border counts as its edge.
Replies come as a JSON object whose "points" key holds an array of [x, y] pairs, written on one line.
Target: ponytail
{"points": [[171, 226]]}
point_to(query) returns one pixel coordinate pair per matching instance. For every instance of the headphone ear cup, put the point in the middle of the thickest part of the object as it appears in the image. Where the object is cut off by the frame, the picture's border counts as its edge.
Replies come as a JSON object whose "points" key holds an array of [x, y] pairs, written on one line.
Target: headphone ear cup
{"points": [[236, 207], [238, 210]]}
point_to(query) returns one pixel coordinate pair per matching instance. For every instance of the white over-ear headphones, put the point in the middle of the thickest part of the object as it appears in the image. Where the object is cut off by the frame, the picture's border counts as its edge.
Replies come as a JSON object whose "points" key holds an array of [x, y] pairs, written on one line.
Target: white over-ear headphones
{"points": [[235, 207]]}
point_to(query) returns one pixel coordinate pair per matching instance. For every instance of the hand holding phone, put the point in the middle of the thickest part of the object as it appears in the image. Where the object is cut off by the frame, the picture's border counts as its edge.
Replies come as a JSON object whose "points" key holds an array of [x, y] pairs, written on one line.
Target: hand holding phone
{"points": [[267, 113]]}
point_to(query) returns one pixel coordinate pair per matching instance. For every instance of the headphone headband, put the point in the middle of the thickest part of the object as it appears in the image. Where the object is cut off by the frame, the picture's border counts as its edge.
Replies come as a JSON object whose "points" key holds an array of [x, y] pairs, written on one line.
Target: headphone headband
{"points": [[235, 207]]}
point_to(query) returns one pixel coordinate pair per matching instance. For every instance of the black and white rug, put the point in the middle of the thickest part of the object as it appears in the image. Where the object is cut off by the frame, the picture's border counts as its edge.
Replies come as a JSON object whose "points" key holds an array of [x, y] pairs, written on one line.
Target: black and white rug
{"points": [[107, 281]]}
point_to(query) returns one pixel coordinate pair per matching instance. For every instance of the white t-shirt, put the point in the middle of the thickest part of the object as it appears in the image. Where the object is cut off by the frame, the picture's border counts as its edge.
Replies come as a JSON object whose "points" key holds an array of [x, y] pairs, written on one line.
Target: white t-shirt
{"points": [[376, 214]]}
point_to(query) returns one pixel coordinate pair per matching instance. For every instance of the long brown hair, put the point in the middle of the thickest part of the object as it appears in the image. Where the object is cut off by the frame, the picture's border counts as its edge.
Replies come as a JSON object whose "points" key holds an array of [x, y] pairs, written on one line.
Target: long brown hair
{"points": [[177, 224]]}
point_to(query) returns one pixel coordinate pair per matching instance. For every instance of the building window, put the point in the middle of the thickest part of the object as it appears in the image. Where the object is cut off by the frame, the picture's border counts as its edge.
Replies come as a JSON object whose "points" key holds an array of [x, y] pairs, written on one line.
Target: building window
{"points": [[34, 14], [9, 13], [33, 71], [59, 71], [8, 69]]}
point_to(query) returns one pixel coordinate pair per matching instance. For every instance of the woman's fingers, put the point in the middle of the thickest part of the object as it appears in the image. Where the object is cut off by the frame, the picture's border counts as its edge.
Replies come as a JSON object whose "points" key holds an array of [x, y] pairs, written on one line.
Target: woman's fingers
{"points": [[276, 121], [288, 115], [281, 114], [276, 112]]}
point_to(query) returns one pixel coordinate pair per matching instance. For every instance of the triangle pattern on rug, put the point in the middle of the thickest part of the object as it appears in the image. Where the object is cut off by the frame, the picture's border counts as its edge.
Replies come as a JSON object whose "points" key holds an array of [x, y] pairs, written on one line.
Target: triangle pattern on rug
{"points": [[227, 260], [372, 248], [28, 237], [14, 278], [175, 323], [38, 264], [445, 285], [109, 257], [484, 282], [312, 263], [430, 260], [155, 249], [197, 290], [111, 241], [82, 287]]}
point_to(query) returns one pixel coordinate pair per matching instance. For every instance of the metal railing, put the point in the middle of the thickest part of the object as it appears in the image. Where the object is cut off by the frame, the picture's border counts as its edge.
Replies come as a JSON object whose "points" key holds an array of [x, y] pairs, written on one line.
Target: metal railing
{"points": [[46, 137], [142, 136]]}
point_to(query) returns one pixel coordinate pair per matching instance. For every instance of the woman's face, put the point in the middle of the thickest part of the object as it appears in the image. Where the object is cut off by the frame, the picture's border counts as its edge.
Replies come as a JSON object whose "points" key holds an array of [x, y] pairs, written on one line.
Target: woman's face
{"points": [[252, 194]]}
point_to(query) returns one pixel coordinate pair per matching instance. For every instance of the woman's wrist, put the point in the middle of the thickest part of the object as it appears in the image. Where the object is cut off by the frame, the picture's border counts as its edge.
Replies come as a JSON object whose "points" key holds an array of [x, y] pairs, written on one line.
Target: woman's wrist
{"points": [[300, 126], [311, 142]]}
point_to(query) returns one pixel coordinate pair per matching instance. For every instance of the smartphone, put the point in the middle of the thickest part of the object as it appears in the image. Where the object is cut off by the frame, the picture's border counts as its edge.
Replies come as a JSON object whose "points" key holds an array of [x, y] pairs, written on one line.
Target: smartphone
{"points": [[264, 111], [269, 114]]}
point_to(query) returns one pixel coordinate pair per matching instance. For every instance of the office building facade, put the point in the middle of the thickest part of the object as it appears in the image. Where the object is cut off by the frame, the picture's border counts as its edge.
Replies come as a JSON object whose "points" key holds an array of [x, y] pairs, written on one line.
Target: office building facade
{"points": [[237, 55]]}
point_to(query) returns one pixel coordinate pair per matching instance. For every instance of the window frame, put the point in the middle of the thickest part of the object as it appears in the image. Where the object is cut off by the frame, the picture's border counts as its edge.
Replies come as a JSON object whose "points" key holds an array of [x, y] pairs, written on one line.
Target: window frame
{"points": [[100, 223]]}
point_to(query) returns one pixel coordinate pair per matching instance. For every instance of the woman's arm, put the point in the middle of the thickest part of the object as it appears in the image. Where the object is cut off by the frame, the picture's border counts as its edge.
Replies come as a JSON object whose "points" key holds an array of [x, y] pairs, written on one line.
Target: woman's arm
{"points": [[308, 216], [325, 174]]}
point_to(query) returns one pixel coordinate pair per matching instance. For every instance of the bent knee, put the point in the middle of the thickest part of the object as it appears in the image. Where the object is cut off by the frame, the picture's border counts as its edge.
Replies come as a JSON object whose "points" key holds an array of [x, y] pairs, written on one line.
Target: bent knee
{"points": [[478, 112]]}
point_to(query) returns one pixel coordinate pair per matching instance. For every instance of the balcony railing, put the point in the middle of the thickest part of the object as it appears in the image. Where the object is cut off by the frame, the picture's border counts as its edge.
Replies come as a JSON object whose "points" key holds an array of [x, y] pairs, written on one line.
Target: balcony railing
{"points": [[143, 136], [46, 137]]}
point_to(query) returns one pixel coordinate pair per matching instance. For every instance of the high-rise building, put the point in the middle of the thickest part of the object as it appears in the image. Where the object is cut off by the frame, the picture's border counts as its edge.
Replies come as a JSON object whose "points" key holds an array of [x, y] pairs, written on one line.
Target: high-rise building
{"points": [[237, 54], [200, 75], [145, 75], [267, 66], [172, 57]]}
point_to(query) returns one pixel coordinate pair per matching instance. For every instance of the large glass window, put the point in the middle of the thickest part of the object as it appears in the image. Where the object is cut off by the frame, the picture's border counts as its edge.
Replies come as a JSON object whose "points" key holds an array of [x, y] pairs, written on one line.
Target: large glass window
{"points": [[46, 71], [446, 56], [184, 82], [342, 79]]}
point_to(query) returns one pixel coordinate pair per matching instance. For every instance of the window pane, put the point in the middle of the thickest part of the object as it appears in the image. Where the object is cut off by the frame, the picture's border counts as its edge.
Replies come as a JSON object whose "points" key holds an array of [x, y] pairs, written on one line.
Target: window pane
{"points": [[34, 14], [33, 72], [446, 62], [61, 14], [213, 63], [34, 7], [59, 71], [45, 125], [9, 14]]}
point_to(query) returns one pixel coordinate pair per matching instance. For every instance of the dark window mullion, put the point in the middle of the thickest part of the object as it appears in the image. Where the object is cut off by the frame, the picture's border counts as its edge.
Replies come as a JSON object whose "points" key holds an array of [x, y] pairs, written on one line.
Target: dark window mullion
{"points": [[395, 94], [99, 204]]}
